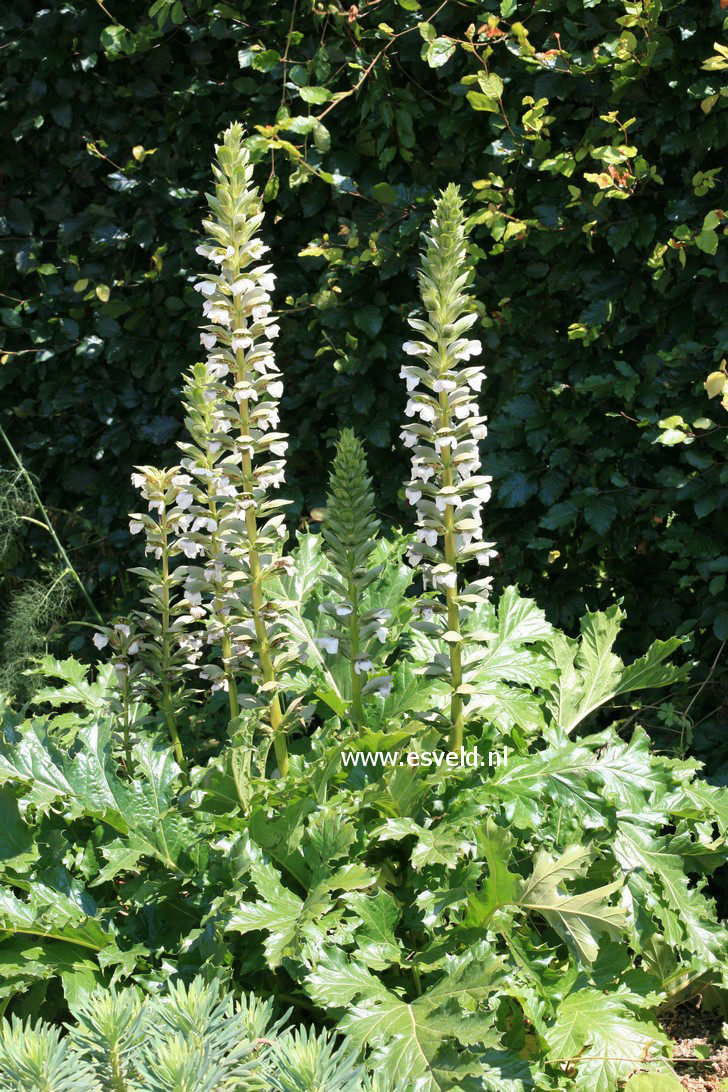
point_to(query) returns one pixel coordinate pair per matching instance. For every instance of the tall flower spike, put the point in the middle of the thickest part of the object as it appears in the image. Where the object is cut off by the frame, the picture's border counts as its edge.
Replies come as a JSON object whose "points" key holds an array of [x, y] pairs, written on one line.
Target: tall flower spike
{"points": [[160, 651], [446, 486], [349, 533], [236, 457]]}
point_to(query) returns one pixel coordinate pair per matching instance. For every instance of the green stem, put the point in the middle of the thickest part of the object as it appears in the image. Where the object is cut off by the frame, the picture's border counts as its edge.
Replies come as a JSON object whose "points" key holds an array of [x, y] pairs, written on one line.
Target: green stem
{"points": [[128, 760], [232, 688], [256, 591], [49, 526], [167, 705], [357, 709], [415, 969], [451, 594], [118, 1081]]}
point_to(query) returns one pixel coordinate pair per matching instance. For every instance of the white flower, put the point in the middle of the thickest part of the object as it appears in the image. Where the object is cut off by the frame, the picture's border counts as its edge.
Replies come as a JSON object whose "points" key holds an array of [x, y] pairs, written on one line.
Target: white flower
{"points": [[447, 579], [444, 385], [328, 644], [217, 314], [362, 665], [479, 432], [123, 629], [189, 548], [475, 382], [135, 526], [267, 281], [443, 499], [410, 376], [381, 634], [133, 648], [275, 390], [422, 470], [427, 614], [384, 685], [445, 441], [483, 493], [484, 558], [409, 439], [208, 288], [279, 448], [261, 311], [413, 348], [138, 481], [194, 598], [244, 391], [208, 340], [343, 609], [465, 349], [184, 500], [100, 640], [428, 535], [413, 495], [243, 284], [241, 341]]}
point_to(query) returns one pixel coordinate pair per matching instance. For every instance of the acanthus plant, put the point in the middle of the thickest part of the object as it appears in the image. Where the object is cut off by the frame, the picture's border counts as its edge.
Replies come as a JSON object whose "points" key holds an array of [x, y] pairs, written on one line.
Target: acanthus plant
{"points": [[447, 487], [435, 927], [218, 510]]}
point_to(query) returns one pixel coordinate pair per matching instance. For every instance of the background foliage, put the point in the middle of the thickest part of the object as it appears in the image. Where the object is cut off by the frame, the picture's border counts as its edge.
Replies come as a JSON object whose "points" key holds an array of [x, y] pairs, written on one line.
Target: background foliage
{"points": [[590, 137]]}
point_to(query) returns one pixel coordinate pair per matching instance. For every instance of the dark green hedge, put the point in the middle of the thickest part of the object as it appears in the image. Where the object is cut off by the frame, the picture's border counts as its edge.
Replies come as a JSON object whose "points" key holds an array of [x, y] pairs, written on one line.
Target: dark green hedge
{"points": [[589, 139]]}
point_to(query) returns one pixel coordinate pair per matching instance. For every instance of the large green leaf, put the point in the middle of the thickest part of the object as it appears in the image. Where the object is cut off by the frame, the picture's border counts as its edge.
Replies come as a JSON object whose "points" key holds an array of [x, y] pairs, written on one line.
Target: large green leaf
{"points": [[57, 907], [687, 916], [17, 848], [379, 914], [580, 918], [87, 783], [591, 673], [602, 1039], [415, 1041]]}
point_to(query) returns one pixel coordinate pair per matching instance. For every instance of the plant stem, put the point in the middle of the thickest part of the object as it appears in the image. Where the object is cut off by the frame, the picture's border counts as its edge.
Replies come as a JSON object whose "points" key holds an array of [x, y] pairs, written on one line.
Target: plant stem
{"points": [[357, 709], [451, 594], [256, 591], [167, 707], [49, 526], [279, 738], [128, 759], [232, 688]]}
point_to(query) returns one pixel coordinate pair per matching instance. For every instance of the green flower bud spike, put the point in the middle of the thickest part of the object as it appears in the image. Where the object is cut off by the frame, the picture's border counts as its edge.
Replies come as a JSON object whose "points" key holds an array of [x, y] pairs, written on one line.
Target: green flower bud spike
{"points": [[349, 533]]}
